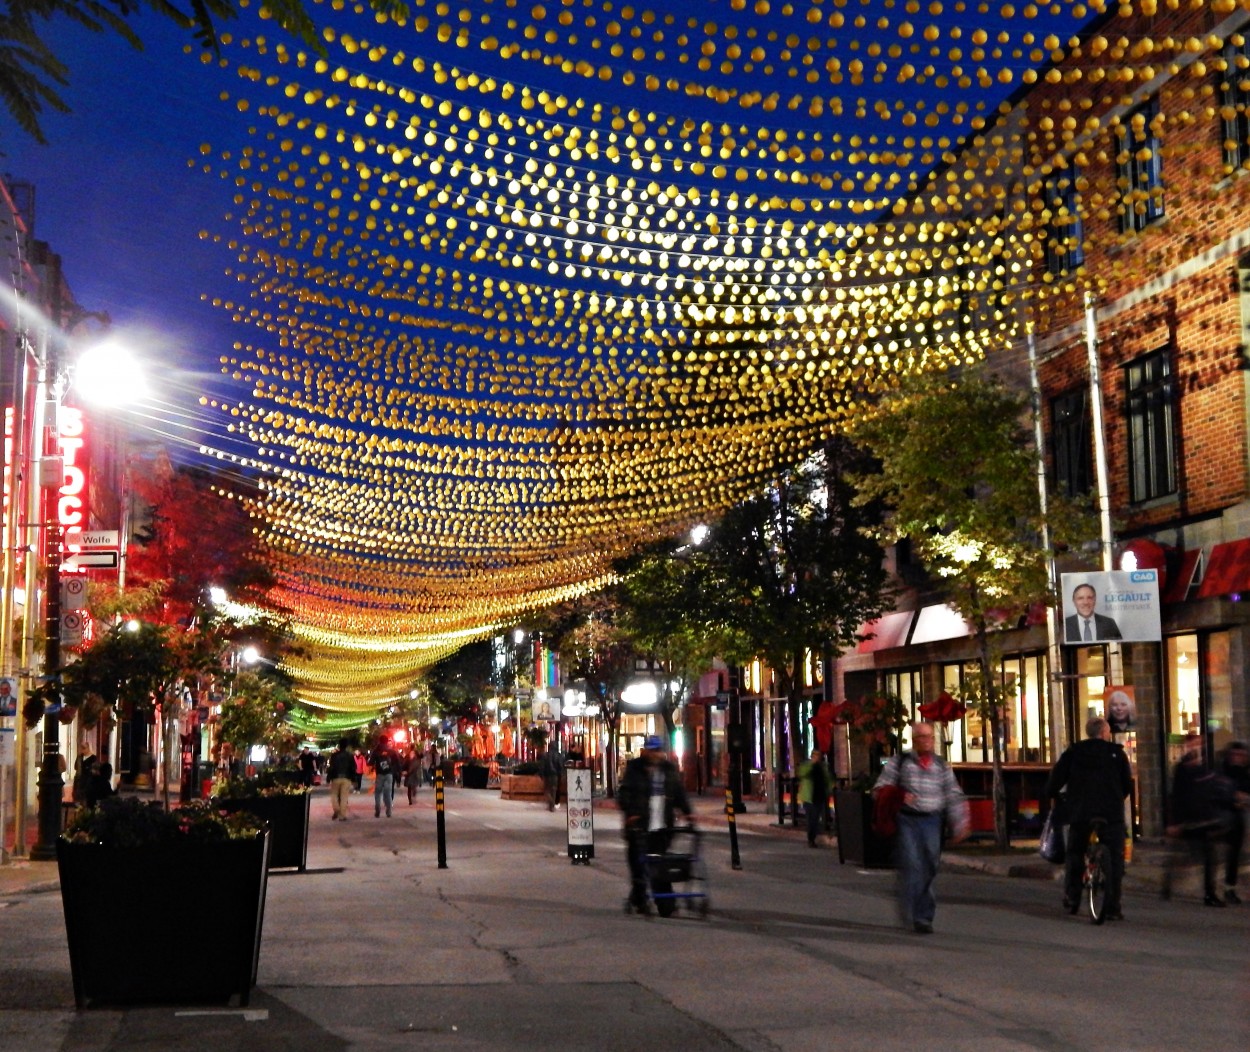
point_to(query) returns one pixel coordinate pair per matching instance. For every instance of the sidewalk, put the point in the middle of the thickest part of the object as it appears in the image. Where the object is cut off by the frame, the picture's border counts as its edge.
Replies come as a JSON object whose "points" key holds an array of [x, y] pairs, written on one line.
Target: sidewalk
{"points": [[1143, 873]]}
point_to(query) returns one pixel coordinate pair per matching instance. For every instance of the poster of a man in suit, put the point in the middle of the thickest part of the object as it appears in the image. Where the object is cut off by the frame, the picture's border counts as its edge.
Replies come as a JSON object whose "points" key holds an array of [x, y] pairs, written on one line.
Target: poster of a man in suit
{"points": [[1108, 607]]}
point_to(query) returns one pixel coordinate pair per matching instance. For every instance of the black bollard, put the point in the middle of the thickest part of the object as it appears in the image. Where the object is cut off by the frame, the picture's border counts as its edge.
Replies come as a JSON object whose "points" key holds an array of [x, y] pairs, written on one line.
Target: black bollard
{"points": [[735, 859], [442, 818]]}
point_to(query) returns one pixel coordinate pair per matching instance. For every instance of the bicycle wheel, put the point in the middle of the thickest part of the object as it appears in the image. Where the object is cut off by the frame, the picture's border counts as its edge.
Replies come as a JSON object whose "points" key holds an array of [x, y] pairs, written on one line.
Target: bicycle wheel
{"points": [[1097, 878]]}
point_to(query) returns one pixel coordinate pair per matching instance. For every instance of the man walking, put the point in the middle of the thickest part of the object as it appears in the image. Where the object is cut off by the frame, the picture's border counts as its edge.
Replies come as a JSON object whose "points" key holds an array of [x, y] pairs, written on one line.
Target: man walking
{"points": [[930, 796], [341, 770], [649, 796], [1091, 781], [384, 763], [814, 783]]}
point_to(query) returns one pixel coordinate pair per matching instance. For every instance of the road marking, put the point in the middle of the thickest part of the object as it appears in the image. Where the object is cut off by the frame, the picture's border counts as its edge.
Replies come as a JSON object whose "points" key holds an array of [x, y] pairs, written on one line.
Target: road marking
{"points": [[250, 1015]]}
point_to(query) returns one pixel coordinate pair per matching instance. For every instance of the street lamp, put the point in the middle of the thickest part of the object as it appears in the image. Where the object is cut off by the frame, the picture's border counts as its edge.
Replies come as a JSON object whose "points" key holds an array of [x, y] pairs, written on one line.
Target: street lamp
{"points": [[104, 374]]}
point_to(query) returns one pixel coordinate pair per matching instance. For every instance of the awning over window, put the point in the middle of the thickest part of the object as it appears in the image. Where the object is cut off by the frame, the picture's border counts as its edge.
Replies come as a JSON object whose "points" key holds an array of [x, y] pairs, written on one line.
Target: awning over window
{"points": [[1179, 582], [939, 622], [887, 631], [1228, 570]]}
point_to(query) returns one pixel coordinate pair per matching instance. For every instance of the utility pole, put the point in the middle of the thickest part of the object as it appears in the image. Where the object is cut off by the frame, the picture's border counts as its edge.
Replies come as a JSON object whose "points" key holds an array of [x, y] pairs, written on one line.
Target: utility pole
{"points": [[51, 478]]}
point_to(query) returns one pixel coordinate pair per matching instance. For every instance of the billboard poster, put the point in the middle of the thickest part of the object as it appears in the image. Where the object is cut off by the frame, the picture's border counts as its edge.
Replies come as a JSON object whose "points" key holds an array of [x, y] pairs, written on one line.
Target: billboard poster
{"points": [[8, 696], [1110, 606], [1119, 705]]}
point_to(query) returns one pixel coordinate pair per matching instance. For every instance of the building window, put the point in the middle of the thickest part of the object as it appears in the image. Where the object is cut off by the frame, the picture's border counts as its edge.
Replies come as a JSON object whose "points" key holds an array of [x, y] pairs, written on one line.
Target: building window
{"points": [[1065, 233], [1235, 101], [1070, 438], [1139, 168], [1151, 441], [906, 685], [1026, 724]]}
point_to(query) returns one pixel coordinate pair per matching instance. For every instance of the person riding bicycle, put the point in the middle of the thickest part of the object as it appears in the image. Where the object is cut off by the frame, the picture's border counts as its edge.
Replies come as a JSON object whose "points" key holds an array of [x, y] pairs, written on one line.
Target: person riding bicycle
{"points": [[650, 795], [1090, 782]]}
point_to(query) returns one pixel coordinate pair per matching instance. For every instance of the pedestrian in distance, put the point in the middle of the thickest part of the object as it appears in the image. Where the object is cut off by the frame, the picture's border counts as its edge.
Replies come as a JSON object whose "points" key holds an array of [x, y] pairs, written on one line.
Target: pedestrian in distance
{"points": [[384, 763], [931, 797], [1200, 818], [815, 781], [1091, 780], [1236, 770], [432, 760], [307, 768], [649, 796], [413, 773], [361, 764], [552, 769], [341, 770], [100, 784]]}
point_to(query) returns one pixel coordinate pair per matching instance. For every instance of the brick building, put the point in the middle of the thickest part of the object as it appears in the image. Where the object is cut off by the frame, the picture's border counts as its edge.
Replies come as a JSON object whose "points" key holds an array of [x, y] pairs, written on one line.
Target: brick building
{"points": [[1117, 180]]}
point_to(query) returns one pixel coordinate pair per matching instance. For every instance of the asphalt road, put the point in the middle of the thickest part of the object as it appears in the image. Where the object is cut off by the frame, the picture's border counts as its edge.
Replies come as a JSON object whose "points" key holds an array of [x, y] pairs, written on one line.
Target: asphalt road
{"points": [[512, 947]]}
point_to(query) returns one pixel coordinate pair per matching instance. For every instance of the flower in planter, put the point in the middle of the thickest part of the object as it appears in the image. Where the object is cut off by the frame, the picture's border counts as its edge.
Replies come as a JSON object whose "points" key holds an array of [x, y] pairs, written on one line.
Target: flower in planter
{"points": [[127, 822], [267, 783]]}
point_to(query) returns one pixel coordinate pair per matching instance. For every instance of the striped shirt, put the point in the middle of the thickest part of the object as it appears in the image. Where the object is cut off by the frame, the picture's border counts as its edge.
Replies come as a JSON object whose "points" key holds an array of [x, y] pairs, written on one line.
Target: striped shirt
{"points": [[933, 789]]}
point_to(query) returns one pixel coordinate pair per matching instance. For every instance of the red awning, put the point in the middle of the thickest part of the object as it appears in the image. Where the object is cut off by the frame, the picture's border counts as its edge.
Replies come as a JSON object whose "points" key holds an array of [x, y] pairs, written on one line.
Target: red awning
{"points": [[1228, 570], [1179, 582], [887, 632]]}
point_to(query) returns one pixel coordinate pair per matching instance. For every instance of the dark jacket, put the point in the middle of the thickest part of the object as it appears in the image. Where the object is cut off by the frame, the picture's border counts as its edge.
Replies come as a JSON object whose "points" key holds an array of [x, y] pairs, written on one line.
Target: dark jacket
{"points": [[633, 796], [1094, 777], [1199, 795], [342, 765]]}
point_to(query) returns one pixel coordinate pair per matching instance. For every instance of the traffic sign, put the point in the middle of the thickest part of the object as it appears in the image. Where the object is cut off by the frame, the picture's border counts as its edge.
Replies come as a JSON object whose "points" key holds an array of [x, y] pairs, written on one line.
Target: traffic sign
{"points": [[95, 560], [92, 538], [73, 593], [72, 624]]}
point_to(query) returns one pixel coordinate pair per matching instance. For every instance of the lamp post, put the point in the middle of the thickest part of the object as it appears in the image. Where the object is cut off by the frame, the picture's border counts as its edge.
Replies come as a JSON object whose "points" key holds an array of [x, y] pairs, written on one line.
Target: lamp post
{"points": [[103, 373]]}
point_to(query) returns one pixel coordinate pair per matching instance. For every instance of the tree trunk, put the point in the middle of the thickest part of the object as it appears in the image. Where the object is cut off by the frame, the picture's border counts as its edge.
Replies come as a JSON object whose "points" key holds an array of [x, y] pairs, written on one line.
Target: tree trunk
{"points": [[996, 722]]}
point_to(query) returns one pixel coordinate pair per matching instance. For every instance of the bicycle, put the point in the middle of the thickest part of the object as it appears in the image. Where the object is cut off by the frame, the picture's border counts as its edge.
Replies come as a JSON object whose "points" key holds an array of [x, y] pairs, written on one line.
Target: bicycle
{"points": [[1096, 878]]}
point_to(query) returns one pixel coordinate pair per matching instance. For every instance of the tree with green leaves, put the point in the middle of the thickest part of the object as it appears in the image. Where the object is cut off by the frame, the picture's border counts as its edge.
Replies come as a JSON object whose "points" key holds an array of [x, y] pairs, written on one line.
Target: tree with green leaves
{"points": [[793, 570], [31, 73], [256, 713], [958, 475]]}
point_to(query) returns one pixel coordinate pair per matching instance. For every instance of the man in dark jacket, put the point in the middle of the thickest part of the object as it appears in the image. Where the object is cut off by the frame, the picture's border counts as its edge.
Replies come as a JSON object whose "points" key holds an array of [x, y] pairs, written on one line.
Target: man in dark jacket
{"points": [[1094, 778], [1201, 815], [1236, 771], [341, 771], [649, 796]]}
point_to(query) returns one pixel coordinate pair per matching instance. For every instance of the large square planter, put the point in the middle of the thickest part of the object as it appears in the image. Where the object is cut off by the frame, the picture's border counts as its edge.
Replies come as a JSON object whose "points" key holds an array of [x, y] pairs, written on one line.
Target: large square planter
{"points": [[857, 843], [125, 913], [474, 776], [287, 816]]}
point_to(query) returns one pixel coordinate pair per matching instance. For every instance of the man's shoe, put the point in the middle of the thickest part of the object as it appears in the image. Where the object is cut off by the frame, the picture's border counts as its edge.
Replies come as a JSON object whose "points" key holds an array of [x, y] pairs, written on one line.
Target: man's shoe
{"points": [[1214, 900], [1070, 905], [1232, 898], [923, 928]]}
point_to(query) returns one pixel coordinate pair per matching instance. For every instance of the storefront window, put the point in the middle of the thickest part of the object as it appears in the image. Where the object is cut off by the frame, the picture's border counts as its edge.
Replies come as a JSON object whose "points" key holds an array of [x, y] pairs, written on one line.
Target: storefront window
{"points": [[1200, 689], [1026, 735], [907, 685]]}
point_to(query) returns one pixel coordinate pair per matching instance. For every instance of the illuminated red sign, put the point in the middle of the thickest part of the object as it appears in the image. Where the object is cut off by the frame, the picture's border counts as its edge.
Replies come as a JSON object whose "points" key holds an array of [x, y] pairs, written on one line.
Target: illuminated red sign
{"points": [[72, 505]]}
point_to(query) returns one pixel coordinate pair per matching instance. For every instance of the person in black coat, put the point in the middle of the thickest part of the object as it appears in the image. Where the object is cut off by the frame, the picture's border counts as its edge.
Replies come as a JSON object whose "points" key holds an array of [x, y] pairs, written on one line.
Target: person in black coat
{"points": [[649, 796], [1091, 781], [1236, 771], [1201, 806], [100, 784]]}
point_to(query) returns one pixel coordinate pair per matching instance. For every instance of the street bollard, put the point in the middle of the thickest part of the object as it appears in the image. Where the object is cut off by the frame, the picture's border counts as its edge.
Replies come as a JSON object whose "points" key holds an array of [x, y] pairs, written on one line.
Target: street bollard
{"points": [[441, 819], [734, 859]]}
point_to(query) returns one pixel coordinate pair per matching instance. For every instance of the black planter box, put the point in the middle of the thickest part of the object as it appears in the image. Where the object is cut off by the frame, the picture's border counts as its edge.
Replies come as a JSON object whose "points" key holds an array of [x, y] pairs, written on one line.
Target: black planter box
{"points": [[127, 912], [857, 843], [473, 776], [287, 816]]}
